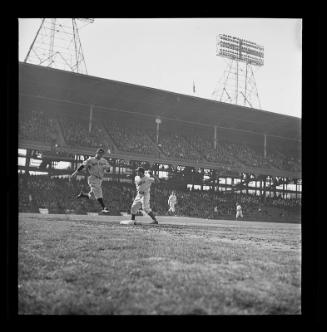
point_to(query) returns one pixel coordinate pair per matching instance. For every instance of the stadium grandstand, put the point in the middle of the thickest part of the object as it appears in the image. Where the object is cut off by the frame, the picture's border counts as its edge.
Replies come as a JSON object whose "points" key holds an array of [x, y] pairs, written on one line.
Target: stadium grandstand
{"points": [[209, 152]]}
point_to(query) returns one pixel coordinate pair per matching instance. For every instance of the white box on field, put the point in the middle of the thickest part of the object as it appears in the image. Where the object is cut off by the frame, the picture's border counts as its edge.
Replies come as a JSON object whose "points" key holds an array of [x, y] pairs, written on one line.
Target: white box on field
{"points": [[44, 211]]}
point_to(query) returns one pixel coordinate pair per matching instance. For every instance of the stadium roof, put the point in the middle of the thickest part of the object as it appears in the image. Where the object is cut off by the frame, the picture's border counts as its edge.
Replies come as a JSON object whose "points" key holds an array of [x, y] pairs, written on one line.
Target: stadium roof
{"points": [[73, 88]]}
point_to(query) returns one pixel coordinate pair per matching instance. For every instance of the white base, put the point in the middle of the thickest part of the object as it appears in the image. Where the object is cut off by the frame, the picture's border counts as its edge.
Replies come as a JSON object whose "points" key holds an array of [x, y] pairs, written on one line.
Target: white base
{"points": [[127, 222], [101, 213], [43, 211]]}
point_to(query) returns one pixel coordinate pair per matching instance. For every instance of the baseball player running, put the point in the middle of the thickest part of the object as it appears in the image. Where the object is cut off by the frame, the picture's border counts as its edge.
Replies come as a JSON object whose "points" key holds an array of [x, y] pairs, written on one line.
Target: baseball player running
{"points": [[143, 184], [96, 167]]}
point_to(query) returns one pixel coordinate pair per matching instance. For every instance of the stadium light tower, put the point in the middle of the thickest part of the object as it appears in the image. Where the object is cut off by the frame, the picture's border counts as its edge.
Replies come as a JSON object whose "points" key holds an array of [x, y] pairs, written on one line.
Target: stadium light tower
{"points": [[238, 85], [57, 44]]}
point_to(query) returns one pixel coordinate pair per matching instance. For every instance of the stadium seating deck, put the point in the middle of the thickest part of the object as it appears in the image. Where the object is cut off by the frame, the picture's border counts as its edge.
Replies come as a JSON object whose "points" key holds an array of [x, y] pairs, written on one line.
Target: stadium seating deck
{"points": [[174, 143]]}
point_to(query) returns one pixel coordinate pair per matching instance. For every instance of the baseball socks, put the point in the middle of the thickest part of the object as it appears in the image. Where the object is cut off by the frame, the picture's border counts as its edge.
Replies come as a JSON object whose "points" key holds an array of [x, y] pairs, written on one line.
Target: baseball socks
{"points": [[104, 209], [155, 221]]}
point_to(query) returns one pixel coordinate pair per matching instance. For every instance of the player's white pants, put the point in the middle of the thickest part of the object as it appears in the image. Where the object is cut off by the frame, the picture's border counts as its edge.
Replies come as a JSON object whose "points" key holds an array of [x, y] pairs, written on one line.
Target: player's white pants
{"points": [[172, 207], [239, 214], [95, 185], [141, 201]]}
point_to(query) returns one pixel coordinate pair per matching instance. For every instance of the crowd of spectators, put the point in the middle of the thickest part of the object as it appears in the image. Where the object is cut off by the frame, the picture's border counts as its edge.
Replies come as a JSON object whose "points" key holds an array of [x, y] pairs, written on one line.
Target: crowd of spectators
{"points": [[76, 133], [284, 160], [248, 155], [175, 145], [222, 154], [130, 138], [280, 202], [141, 138], [36, 126], [58, 196], [191, 146]]}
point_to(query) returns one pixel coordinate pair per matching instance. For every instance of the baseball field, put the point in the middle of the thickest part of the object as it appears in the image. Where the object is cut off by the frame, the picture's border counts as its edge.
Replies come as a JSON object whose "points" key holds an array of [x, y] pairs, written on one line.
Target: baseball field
{"points": [[93, 265]]}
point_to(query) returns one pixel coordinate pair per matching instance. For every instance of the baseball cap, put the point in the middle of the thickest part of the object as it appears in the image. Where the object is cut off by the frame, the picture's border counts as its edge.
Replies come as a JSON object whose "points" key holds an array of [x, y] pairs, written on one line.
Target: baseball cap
{"points": [[141, 169], [100, 150]]}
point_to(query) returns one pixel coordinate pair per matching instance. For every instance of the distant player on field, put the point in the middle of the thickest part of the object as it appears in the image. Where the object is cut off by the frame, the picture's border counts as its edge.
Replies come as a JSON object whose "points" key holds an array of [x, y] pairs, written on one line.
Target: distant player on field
{"points": [[96, 167], [172, 201], [142, 200], [238, 211]]}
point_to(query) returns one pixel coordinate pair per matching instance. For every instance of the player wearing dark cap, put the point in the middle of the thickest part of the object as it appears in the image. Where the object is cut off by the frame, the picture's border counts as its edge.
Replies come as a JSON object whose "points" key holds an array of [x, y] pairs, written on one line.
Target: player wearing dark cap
{"points": [[96, 167]]}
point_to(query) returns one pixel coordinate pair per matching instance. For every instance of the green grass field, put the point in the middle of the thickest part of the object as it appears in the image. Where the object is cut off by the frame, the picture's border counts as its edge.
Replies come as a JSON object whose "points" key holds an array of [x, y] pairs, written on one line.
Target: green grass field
{"points": [[92, 265]]}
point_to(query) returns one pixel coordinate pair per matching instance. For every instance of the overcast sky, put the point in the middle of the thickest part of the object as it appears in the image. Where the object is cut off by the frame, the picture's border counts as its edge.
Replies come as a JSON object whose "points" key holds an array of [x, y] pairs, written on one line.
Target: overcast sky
{"points": [[170, 54]]}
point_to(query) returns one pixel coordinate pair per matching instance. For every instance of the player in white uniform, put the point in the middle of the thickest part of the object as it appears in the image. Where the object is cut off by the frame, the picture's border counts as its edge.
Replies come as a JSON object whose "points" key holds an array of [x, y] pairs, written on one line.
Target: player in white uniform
{"points": [[143, 184], [238, 211], [96, 167], [172, 201]]}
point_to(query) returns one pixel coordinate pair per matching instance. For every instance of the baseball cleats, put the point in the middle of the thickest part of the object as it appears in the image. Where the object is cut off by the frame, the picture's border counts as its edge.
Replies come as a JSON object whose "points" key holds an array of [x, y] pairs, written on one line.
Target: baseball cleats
{"points": [[104, 211], [154, 222]]}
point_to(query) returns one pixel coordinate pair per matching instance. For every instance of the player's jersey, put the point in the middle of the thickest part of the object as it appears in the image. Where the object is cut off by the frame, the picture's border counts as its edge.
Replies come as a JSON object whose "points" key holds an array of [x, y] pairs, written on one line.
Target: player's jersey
{"points": [[143, 184], [96, 166], [172, 199], [238, 208]]}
